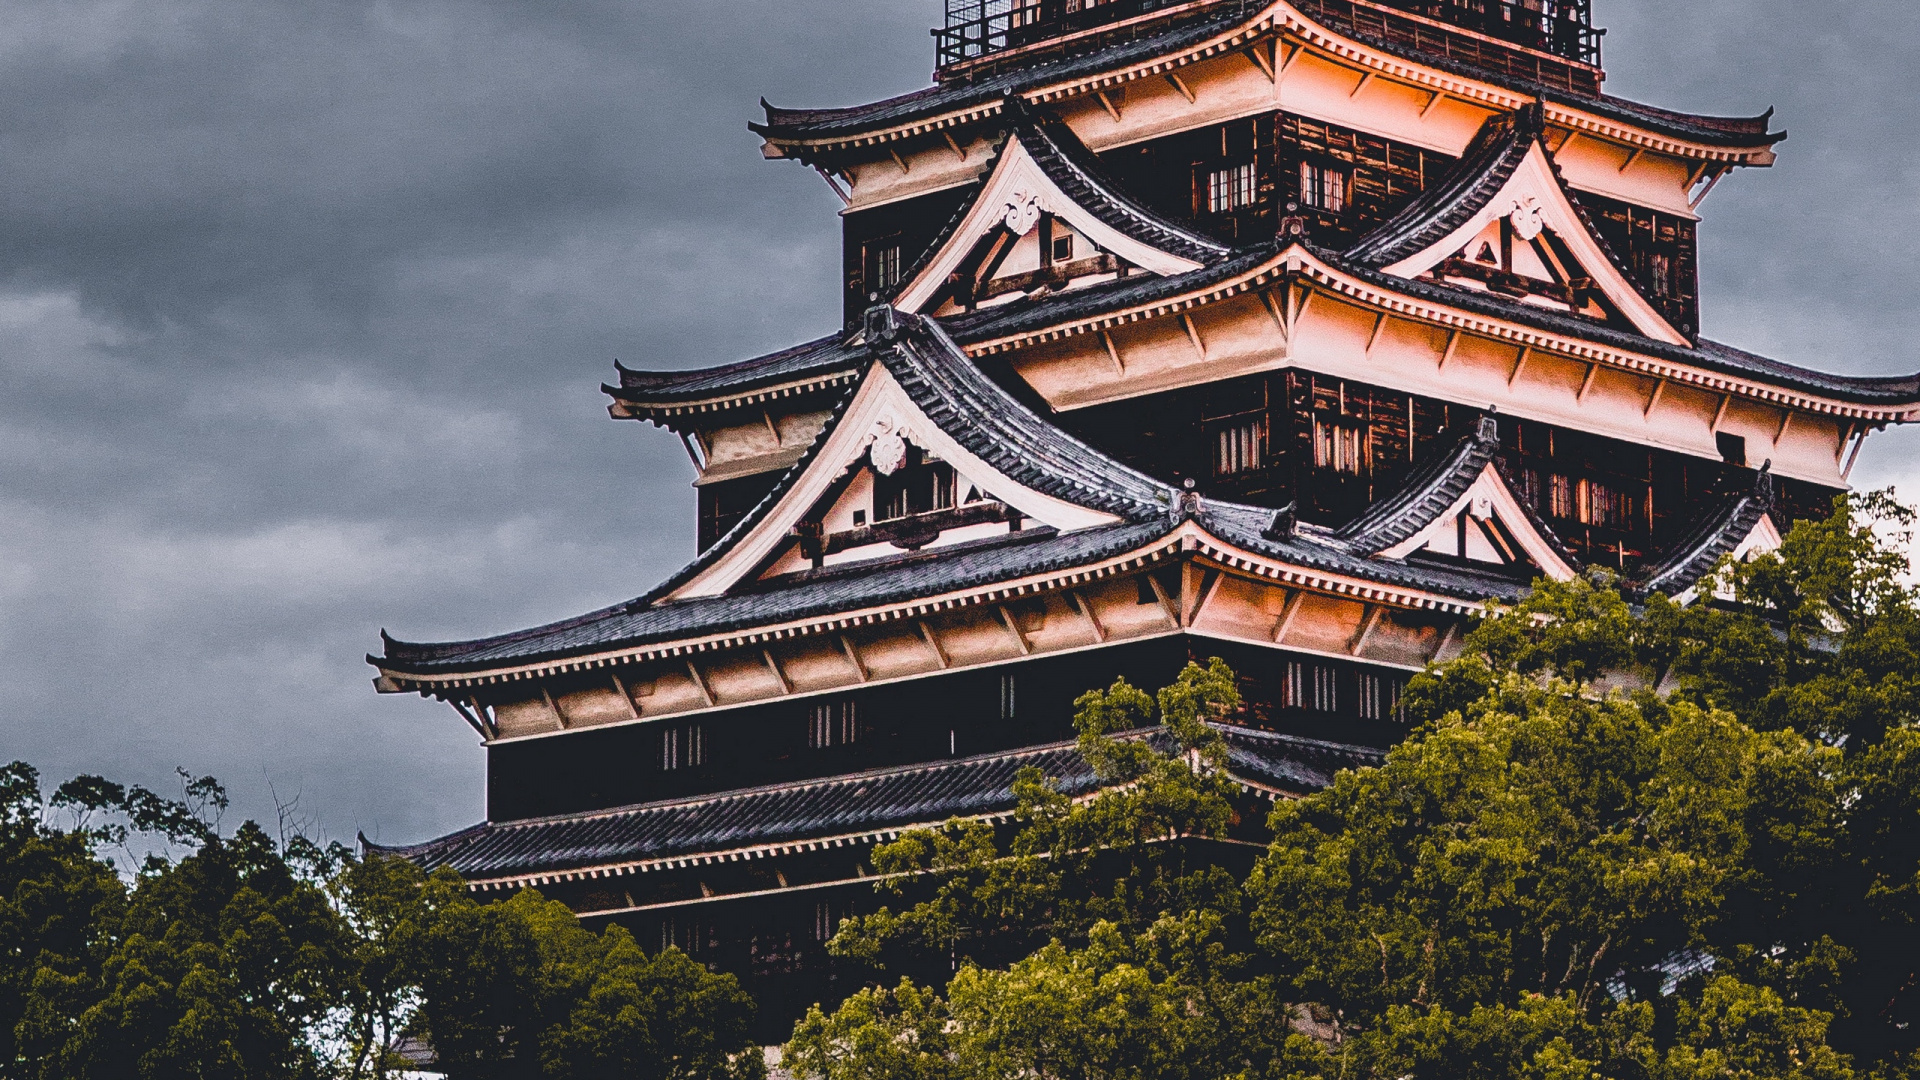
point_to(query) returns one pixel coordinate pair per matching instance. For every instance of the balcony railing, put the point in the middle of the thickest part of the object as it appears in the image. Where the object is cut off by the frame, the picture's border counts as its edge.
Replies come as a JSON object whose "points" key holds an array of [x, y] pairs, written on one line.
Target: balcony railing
{"points": [[981, 28], [1561, 27], [977, 28]]}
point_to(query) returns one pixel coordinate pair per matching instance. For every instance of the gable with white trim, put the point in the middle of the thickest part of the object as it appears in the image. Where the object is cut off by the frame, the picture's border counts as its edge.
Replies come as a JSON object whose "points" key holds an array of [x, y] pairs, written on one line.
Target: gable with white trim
{"points": [[882, 443], [1486, 525], [1529, 231], [998, 242]]}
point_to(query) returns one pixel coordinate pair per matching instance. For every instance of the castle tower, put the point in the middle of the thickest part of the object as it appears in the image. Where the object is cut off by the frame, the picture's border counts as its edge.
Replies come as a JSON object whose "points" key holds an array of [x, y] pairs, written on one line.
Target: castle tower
{"points": [[1288, 332]]}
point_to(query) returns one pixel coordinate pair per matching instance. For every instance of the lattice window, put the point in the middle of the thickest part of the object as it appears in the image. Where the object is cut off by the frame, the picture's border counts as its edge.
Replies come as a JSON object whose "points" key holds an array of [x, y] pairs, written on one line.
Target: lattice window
{"points": [[1380, 696], [1323, 187], [1240, 448], [835, 723], [1232, 188], [1009, 697], [1310, 686], [1340, 444], [683, 747]]}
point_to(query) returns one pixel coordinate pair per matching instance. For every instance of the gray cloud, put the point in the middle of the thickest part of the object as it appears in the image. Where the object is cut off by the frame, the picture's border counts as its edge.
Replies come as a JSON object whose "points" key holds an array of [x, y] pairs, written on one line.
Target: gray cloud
{"points": [[303, 308]]}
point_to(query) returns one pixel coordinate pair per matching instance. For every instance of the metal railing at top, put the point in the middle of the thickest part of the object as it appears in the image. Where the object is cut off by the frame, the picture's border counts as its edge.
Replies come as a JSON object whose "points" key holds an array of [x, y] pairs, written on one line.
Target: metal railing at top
{"points": [[979, 28]]}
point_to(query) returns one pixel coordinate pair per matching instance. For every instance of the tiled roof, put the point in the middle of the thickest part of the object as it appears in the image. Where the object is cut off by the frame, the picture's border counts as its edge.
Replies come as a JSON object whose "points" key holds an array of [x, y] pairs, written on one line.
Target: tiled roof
{"points": [[1428, 492], [1689, 560], [1477, 177], [858, 805], [1068, 163], [985, 419], [817, 359], [828, 125]]}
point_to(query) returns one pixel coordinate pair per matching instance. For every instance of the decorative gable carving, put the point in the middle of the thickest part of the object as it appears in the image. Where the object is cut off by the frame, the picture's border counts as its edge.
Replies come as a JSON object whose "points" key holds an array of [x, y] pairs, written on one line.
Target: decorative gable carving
{"points": [[1022, 193], [1486, 525], [1529, 242], [880, 433]]}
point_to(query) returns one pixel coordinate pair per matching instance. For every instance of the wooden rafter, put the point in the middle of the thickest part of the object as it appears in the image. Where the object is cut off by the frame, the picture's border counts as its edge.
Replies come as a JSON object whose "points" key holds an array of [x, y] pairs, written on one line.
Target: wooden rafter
{"points": [[1113, 353], [472, 721], [1453, 343], [1180, 84], [1433, 102], [1786, 421], [1167, 607], [779, 676], [1013, 627], [1653, 399], [1720, 414], [700, 683], [1520, 364], [853, 657], [933, 643], [1368, 623], [1107, 102], [1366, 80], [1586, 384], [1193, 335], [1209, 584], [1379, 327], [1261, 60], [559, 717], [954, 144], [905, 170], [620, 687], [1085, 608], [1288, 612]]}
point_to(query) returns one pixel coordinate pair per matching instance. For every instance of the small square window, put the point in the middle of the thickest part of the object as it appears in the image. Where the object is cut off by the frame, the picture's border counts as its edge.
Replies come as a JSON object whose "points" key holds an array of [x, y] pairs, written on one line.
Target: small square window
{"points": [[1733, 448], [1062, 248]]}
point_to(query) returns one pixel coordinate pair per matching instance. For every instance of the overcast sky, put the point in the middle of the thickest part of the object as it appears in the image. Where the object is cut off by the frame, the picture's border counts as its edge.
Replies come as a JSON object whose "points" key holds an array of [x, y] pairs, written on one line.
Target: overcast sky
{"points": [[304, 307]]}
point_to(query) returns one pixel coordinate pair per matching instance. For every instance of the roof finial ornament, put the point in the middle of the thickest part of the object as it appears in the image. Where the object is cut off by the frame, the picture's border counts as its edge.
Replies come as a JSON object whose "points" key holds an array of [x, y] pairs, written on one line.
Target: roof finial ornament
{"points": [[1763, 484], [1285, 521], [883, 324], [1489, 430]]}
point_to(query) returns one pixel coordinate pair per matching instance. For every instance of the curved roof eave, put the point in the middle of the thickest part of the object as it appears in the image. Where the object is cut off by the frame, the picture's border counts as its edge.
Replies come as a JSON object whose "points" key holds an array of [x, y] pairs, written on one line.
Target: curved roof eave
{"points": [[948, 105]]}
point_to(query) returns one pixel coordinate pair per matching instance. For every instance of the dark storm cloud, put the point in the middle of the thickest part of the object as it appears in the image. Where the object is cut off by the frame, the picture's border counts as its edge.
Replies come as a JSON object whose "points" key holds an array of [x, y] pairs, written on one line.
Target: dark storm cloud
{"points": [[303, 308]]}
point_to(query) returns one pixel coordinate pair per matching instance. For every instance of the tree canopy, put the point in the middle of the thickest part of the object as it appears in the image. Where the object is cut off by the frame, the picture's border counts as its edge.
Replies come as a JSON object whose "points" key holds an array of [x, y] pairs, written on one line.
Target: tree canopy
{"points": [[1624, 839]]}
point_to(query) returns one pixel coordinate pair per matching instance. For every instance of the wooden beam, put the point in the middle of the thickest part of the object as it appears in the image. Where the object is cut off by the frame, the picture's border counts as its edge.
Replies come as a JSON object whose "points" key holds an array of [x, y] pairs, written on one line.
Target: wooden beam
{"points": [[1287, 614], [958, 151], [1113, 353], [1379, 325], [1840, 448], [1306, 301], [839, 192], [700, 683], [1633, 155], [1366, 80], [1786, 421], [620, 687], [1193, 335], [1432, 103], [472, 722], [1292, 55], [1720, 414], [939, 654], [1209, 584], [1858, 442], [853, 657], [1653, 399], [1586, 384], [1261, 61], [1446, 639], [1112, 109], [1085, 608], [1367, 624], [1013, 627], [1167, 607], [1273, 309], [1708, 190], [1520, 364], [558, 716], [771, 429], [1453, 343], [1180, 84], [779, 676], [900, 161]]}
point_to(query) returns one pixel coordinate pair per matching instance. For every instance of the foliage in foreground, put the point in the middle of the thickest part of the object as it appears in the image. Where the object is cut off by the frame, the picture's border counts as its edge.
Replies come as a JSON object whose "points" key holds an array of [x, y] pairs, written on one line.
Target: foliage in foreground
{"points": [[250, 957], [1561, 874]]}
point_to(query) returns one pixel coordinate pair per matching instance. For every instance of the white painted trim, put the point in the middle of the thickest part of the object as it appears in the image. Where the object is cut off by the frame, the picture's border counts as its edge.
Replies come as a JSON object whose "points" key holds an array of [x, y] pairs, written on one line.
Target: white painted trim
{"points": [[879, 399], [1533, 184], [1016, 179], [1492, 487]]}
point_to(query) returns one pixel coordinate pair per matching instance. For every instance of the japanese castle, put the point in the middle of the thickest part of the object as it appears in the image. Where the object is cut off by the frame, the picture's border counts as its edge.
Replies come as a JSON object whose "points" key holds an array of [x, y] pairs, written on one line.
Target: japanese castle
{"points": [[1290, 333]]}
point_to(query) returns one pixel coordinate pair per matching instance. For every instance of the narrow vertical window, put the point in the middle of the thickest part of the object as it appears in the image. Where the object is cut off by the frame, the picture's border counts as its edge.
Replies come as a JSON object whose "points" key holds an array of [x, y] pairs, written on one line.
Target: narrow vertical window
{"points": [[849, 724], [820, 727], [1008, 700], [1293, 685], [1340, 445], [669, 749], [696, 745], [883, 269], [822, 920], [1560, 497]]}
